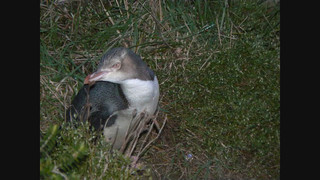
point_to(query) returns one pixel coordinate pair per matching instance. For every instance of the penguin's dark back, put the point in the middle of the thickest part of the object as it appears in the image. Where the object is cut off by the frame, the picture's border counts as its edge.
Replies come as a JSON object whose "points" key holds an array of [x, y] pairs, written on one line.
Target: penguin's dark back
{"points": [[98, 101]]}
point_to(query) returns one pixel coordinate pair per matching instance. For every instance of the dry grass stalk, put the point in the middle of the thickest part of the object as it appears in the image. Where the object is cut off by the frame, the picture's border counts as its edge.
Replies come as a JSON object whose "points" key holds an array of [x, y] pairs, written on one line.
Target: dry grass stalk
{"points": [[126, 7], [134, 133], [218, 31]]}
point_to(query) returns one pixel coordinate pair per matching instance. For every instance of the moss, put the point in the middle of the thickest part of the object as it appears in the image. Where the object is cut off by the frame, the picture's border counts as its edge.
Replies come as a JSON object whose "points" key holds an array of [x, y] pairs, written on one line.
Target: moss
{"points": [[218, 64]]}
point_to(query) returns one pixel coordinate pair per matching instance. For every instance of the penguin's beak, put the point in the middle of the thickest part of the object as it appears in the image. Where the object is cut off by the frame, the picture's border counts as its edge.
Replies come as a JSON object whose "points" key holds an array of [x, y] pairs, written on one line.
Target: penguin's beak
{"points": [[96, 76]]}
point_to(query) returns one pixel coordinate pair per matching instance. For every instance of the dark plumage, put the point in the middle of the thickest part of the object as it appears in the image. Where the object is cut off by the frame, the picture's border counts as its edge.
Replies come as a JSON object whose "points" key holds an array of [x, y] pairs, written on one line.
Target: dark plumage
{"points": [[104, 99]]}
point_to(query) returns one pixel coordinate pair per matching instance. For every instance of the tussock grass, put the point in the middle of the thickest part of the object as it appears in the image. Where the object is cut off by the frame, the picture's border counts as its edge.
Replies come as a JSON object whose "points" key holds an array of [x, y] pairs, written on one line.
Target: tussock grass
{"points": [[218, 65]]}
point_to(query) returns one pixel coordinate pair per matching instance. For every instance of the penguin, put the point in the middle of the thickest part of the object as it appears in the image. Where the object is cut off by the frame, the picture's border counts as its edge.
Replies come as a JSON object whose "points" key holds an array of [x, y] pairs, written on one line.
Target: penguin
{"points": [[121, 87]]}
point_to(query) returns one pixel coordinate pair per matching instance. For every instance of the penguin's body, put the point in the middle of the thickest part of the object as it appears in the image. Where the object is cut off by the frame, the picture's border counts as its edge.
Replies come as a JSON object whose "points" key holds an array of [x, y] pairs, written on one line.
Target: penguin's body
{"points": [[122, 86]]}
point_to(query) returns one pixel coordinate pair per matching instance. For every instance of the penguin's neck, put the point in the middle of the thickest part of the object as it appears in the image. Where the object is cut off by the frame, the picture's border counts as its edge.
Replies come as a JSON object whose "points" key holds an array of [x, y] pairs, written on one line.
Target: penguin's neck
{"points": [[142, 95]]}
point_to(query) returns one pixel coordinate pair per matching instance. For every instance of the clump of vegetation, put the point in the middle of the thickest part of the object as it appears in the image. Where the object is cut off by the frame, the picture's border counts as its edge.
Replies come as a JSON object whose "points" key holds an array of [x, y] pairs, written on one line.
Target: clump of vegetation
{"points": [[218, 65], [66, 152]]}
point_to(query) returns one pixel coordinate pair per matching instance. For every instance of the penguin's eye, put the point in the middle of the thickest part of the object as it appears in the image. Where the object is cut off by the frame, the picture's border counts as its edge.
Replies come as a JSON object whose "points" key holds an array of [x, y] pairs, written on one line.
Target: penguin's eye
{"points": [[116, 66]]}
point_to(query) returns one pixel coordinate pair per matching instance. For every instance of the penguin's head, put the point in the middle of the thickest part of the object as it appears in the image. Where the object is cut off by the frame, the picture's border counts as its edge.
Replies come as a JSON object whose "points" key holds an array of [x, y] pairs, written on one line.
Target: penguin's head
{"points": [[117, 65]]}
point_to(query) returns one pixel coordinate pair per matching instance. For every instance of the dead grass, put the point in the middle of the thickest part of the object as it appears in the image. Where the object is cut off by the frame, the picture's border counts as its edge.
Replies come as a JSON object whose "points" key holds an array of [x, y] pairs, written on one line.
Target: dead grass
{"points": [[214, 60]]}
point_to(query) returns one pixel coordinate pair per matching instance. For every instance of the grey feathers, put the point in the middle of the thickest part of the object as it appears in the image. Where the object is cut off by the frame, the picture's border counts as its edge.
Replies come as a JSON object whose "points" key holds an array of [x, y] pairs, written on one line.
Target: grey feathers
{"points": [[97, 104]]}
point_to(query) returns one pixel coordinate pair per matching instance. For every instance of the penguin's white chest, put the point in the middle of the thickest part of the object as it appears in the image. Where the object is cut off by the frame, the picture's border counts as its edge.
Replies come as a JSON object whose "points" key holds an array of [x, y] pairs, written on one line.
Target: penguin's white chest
{"points": [[142, 95]]}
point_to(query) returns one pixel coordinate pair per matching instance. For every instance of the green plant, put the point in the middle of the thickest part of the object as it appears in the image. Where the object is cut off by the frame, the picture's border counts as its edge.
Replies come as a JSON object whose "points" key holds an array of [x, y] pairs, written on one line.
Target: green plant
{"points": [[218, 64]]}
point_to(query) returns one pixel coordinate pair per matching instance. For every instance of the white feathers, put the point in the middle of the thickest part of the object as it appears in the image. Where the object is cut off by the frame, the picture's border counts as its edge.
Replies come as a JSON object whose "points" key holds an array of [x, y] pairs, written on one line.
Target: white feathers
{"points": [[116, 133], [142, 95]]}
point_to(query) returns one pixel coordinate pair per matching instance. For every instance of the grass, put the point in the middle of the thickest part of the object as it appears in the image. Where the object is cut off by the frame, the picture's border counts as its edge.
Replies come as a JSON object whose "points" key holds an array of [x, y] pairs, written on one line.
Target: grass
{"points": [[218, 65]]}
